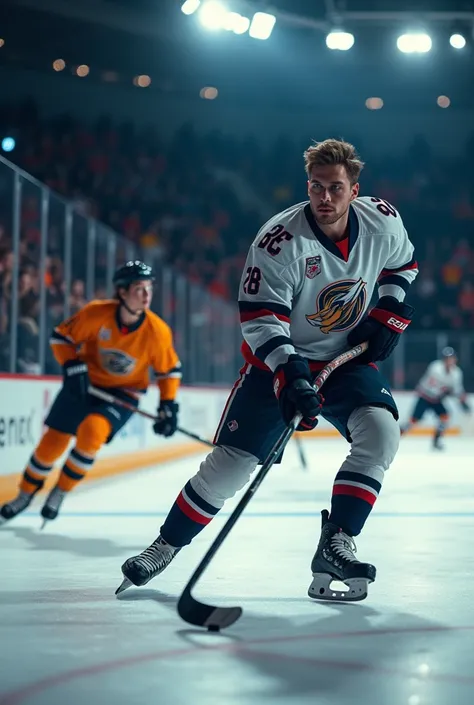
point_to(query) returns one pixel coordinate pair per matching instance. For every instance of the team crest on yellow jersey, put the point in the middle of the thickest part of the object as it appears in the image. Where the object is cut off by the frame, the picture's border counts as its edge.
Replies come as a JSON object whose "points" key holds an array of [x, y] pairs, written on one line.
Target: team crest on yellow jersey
{"points": [[339, 306], [116, 362]]}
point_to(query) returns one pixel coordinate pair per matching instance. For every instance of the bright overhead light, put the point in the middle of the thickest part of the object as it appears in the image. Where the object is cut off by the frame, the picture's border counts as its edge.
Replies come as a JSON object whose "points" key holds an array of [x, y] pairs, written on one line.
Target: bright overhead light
{"points": [[190, 6], [443, 101], [262, 25], [233, 22], [457, 41], [212, 15], [414, 43], [8, 144], [341, 41]]}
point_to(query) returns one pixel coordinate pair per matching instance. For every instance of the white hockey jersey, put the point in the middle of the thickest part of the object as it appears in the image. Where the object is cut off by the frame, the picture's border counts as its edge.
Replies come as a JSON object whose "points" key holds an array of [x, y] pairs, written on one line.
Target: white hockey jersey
{"points": [[439, 382], [300, 294]]}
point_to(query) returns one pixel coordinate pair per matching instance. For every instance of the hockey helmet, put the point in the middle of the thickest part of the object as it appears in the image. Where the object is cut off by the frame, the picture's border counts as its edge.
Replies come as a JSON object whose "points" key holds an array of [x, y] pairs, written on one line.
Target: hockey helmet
{"points": [[131, 272], [448, 352]]}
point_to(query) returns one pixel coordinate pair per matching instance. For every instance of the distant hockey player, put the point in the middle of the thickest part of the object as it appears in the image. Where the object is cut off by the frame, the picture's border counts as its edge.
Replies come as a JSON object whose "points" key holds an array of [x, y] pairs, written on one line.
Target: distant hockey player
{"points": [[304, 298], [111, 345], [441, 379]]}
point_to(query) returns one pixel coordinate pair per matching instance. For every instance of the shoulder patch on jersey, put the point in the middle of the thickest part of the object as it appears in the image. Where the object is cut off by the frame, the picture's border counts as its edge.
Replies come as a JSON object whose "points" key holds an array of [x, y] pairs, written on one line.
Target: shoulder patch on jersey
{"points": [[313, 266], [105, 333]]}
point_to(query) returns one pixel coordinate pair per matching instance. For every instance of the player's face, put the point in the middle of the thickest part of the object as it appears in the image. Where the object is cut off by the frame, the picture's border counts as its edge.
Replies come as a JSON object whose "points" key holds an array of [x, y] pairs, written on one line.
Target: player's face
{"points": [[450, 361], [330, 193], [139, 295]]}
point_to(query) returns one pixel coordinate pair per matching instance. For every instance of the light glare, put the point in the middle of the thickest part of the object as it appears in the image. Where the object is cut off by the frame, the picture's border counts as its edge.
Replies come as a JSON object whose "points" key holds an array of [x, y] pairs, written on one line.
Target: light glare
{"points": [[82, 70], [374, 103], [457, 41], [212, 15], [262, 25], [443, 101], [190, 6], [234, 22], [414, 43], [341, 41], [8, 144]]}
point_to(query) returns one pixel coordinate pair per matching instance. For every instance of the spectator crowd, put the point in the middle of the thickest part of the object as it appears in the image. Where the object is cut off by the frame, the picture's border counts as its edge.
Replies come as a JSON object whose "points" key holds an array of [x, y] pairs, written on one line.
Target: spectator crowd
{"points": [[196, 204]]}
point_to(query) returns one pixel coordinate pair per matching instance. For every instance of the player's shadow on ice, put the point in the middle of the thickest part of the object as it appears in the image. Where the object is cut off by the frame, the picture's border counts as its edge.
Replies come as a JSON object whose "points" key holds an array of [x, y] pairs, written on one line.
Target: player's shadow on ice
{"points": [[343, 656], [88, 547]]}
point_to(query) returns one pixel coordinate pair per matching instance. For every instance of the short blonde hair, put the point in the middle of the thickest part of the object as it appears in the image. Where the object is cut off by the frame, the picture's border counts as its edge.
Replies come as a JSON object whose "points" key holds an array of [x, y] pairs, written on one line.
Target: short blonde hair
{"points": [[334, 151]]}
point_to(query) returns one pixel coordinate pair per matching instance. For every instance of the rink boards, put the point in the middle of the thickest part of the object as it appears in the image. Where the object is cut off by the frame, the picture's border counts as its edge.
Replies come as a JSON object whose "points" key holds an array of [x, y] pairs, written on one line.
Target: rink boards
{"points": [[25, 400]]}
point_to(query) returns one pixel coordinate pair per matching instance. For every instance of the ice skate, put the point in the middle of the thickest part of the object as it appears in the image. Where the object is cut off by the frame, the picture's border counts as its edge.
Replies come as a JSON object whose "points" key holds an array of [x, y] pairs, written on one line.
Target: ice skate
{"points": [[52, 505], [335, 560], [139, 570], [11, 509]]}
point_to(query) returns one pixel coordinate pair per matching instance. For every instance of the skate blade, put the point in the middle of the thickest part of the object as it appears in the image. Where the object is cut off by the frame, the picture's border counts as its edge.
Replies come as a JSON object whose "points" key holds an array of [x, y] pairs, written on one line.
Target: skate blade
{"points": [[321, 589], [45, 521], [126, 583]]}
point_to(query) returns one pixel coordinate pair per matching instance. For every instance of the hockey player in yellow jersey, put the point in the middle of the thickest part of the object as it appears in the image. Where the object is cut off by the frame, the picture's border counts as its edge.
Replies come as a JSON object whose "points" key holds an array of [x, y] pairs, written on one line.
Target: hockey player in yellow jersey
{"points": [[111, 345]]}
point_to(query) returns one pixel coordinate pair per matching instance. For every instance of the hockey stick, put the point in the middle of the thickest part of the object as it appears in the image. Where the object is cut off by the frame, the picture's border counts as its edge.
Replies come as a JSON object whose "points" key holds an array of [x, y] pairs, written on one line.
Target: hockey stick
{"points": [[216, 618], [301, 453], [111, 399]]}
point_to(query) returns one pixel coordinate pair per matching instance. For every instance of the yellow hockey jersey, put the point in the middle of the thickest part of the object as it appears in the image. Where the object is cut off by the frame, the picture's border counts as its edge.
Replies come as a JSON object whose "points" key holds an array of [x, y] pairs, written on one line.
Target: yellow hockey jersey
{"points": [[116, 355]]}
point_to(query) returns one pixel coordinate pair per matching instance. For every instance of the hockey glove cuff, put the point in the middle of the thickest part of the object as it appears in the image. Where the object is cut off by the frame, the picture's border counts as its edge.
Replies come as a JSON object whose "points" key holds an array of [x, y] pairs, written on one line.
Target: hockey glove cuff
{"points": [[167, 423], [76, 378], [382, 328], [292, 384]]}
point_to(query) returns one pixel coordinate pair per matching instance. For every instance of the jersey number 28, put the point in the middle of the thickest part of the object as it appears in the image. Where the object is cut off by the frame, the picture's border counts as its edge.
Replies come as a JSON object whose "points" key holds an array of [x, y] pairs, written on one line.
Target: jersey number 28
{"points": [[252, 280]]}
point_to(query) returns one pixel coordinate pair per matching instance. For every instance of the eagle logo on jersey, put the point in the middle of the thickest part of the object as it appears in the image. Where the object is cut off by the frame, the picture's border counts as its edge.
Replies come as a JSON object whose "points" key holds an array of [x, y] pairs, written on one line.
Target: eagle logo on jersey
{"points": [[117, 362], [339, 306]]}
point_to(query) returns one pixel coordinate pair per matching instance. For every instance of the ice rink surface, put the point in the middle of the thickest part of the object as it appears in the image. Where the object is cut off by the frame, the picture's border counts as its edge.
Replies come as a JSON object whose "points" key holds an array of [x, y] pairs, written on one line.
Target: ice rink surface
{"points": [[66, 639]]}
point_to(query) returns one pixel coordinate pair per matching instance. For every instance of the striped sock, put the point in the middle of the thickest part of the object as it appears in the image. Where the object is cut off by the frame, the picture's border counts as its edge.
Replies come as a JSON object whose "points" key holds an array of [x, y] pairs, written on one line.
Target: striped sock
{"points": [[74, 469], [353, 497], [187, 518], [34, 475]]}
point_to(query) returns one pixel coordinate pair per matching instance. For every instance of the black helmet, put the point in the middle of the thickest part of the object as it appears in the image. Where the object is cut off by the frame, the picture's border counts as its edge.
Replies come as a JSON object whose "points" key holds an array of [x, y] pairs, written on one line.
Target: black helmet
{"points": [[131, 272], [448, 352]]}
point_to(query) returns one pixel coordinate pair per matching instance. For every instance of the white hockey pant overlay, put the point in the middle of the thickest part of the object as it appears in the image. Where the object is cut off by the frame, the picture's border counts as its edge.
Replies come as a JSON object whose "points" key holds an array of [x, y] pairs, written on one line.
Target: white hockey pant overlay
{"points": [[375, 439], [223, 473]]}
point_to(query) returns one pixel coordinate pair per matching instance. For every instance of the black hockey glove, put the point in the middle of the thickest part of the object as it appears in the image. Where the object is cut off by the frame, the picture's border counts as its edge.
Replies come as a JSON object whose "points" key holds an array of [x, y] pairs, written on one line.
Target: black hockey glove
{"points": [[292, 384], [76, 378], [167, 418], [381, 329]]}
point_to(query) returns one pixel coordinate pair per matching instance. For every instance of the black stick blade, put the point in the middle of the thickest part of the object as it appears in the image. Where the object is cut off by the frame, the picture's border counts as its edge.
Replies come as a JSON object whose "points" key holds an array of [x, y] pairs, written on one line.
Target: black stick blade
{"points": [[202, 615]]}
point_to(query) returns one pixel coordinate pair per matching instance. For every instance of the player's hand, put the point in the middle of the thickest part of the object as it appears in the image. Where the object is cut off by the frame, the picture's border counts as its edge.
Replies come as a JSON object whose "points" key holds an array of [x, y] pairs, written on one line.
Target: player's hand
{"points": [[381, 329], [76, 378], [292, 384], [167, 419]]}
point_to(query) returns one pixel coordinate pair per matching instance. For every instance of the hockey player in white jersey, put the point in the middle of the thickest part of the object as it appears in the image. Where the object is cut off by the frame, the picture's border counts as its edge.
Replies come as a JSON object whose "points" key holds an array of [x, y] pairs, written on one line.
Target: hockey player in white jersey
{"points": [[441, 379], [304, 298]]}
